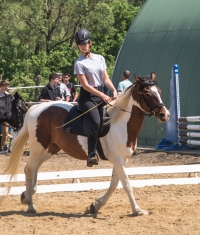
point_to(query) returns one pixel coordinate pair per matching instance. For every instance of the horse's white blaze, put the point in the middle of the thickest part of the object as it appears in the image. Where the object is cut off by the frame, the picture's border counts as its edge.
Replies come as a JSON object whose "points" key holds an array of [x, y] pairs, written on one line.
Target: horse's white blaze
{"points": [[154, 89]]}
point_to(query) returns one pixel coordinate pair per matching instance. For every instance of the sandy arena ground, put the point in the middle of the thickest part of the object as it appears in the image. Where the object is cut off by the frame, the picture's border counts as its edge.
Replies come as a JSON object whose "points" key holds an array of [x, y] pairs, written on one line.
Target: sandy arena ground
{"points": [[172, 209]]}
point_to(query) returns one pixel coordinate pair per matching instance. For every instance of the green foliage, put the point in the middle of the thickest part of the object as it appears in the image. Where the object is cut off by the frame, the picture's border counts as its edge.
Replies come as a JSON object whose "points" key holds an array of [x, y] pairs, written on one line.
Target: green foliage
{"points": [[37, 36], [109, 44], [136, 3]]}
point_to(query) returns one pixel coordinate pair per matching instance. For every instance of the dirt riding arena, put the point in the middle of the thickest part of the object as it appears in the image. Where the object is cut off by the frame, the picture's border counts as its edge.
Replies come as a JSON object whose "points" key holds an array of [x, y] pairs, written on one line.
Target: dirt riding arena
{"points": [[172, 209]]}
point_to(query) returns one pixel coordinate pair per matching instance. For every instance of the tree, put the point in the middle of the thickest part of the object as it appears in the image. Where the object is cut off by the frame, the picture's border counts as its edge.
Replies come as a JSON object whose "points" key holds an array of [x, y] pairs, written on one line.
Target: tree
{"points": [[37, 36], [109, 44], [50, 23], [136, 3]]}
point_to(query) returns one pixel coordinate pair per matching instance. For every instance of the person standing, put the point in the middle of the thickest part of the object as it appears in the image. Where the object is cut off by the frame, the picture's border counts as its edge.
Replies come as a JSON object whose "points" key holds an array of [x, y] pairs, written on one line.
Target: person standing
{"points": [[91, 71], [125, 83], [71, 87], [4, 127], [51, 92], [63, 89]]}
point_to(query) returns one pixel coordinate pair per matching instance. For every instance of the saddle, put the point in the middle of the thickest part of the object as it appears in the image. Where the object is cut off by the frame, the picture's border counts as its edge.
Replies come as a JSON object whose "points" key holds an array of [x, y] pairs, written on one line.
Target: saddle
{"points": [[81, 126]]}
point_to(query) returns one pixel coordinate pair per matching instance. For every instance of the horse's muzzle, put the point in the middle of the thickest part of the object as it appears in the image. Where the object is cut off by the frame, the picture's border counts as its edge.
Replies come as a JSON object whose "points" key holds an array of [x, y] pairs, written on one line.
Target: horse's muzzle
{"points": [[163, 115]]}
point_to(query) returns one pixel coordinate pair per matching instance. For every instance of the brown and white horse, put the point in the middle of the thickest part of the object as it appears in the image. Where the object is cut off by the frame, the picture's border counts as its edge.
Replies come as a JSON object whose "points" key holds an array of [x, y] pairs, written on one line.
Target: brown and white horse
{"points": [[126, 114]]}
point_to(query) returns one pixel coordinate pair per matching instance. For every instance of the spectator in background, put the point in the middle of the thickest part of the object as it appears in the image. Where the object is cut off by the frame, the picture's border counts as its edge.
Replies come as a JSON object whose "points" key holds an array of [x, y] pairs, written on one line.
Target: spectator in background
{"points": [[4, 127], [125, 83], [51, 92], [63, 89], [71, 87], [153, 75]]}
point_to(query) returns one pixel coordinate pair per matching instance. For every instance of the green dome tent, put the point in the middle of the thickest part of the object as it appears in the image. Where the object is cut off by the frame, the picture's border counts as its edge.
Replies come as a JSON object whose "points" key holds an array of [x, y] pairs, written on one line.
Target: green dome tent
{"points": [[165, 32]]}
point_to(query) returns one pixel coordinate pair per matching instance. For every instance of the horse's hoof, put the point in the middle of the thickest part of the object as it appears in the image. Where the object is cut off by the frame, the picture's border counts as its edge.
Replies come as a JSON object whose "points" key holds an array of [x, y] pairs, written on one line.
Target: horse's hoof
{"points": [[32, 211], [23, 197], [140, 212], [92, 209]]}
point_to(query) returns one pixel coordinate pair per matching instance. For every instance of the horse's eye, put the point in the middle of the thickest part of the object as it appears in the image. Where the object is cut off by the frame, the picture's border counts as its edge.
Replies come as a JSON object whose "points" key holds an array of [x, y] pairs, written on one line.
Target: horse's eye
{"points": [[146, 90]]}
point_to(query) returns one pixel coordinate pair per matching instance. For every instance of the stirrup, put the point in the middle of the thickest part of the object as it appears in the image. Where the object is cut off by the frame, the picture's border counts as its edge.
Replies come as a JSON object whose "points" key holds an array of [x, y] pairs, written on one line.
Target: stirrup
{"points": [[92, 159]]}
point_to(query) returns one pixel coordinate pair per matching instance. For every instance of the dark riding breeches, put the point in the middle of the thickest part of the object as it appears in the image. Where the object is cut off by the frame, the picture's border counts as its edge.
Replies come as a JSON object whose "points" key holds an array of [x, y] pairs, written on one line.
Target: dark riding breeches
{"points": [[94, 115]]}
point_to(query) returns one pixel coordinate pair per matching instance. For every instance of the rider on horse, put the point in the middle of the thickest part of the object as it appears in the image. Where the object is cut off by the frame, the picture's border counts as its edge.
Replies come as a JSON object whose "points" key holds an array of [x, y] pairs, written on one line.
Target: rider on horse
{"points": [[91, 71]]}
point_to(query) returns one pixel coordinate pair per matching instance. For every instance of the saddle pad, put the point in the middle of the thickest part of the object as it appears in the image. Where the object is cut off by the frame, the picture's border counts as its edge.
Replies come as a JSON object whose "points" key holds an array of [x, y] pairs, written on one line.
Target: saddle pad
{"points": [[75, 126], [81, 125]]}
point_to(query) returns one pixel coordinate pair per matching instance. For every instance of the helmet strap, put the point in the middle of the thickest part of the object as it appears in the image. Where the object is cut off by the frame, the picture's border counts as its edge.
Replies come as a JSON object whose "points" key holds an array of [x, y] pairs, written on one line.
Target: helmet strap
{"points": [[87, 53]]}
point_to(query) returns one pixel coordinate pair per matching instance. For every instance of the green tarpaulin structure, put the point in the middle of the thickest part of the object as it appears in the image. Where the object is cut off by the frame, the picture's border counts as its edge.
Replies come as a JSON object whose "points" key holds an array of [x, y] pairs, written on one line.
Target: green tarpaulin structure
{"points": [[165, 32]]}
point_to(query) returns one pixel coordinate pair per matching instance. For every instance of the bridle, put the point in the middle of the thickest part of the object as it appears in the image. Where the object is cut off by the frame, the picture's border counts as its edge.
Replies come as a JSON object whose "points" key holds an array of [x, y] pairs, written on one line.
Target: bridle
{"points": [[150, 112]]}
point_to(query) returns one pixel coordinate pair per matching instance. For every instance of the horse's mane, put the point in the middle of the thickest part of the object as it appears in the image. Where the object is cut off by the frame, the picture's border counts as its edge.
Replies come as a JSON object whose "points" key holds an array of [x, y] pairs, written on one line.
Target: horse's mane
{"points": [[116, 106]]}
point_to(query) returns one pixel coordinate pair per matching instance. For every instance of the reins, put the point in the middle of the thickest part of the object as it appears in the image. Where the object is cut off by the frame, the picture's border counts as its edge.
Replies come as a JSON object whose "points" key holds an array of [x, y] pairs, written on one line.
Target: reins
{"points": [[149, 114], [145, 114], [139, 114], [151, 110], [79, 115]]}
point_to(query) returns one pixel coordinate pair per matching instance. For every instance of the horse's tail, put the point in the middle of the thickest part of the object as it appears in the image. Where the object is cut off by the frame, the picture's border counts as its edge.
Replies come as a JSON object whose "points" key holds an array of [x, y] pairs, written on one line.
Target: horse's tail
{"points": [[17, 148]]}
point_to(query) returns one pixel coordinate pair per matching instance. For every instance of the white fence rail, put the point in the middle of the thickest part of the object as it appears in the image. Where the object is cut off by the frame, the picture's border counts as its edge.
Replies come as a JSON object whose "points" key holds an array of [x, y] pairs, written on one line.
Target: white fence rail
{"points": [[84, 186]]}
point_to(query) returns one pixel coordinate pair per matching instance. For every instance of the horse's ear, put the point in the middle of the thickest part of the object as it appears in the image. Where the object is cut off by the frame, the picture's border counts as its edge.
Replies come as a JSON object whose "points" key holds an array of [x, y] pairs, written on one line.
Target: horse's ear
{"points": [[16, 95], [136, 78]]}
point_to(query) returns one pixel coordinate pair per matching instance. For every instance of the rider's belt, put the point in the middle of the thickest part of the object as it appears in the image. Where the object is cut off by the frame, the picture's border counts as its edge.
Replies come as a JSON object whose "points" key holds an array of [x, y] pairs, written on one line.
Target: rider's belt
{"points": [[99, 88]]}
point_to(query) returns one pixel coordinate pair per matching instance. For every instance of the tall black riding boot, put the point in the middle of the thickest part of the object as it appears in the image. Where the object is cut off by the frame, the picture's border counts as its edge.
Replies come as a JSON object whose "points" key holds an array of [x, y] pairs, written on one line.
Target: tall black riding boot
{"points": [[92, 144]]}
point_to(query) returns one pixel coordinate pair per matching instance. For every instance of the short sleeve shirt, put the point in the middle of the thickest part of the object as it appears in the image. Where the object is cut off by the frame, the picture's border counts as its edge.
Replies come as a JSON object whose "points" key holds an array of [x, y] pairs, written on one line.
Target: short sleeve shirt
{"points": [[72, 90], [64, 91], [123, 85], [49, 93], [93, 69]]}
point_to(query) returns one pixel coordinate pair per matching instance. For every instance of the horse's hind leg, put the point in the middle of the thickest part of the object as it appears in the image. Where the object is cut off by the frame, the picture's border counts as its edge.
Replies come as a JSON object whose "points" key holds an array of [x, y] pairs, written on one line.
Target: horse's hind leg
{"points": [[52, 149], [31, 170], [101, 201]]}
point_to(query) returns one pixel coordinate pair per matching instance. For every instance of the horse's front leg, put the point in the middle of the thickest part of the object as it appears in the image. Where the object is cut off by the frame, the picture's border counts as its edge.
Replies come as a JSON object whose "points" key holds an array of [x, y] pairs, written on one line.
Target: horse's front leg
{"points": [[120, 170], [101, 201]]}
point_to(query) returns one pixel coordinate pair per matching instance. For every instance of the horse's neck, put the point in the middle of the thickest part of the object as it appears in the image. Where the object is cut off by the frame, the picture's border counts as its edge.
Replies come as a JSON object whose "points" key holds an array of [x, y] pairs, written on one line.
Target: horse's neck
{"points": [[134, 122]]}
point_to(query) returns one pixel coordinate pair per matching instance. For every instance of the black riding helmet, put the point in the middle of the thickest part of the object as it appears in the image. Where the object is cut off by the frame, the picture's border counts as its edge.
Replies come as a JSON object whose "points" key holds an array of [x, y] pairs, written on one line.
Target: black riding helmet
{"points": [[82, 36]]}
